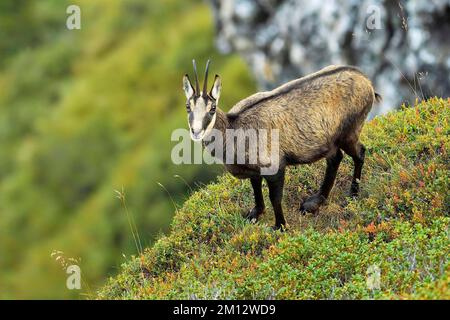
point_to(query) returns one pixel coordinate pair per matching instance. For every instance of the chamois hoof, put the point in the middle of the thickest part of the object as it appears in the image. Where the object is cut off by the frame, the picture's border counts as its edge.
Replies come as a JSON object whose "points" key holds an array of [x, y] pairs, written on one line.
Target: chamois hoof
{"points": [[354, 189], [254, 214], [312, 203], [280, 227]]}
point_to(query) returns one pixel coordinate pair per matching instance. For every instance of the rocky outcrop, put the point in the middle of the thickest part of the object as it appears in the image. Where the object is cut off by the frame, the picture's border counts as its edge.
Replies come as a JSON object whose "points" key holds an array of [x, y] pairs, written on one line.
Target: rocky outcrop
{"points": [[402, 45]]}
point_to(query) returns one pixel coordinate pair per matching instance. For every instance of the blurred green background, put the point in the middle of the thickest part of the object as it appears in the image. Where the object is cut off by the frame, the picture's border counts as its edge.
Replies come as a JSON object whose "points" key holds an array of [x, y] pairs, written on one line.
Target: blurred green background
{"points": [[85, 112]]}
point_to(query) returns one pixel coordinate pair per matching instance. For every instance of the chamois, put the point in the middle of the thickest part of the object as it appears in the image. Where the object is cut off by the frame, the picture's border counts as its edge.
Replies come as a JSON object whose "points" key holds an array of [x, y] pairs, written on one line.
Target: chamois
{"points": [[317, 116]]}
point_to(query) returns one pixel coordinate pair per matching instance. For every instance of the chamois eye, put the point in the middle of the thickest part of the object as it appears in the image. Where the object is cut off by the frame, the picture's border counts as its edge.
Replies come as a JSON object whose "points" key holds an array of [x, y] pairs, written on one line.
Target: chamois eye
{"points": [[213, 108], [188, 107]]}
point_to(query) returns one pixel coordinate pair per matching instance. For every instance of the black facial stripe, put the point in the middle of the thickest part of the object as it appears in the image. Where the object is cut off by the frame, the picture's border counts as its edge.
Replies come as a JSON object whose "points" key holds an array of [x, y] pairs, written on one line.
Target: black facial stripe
{"points": [[206, 120]]}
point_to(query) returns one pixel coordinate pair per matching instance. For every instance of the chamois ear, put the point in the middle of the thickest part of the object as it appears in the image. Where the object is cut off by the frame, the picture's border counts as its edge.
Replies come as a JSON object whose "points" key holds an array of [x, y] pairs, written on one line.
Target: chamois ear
{"points": [[187, 87], [215, 90]]}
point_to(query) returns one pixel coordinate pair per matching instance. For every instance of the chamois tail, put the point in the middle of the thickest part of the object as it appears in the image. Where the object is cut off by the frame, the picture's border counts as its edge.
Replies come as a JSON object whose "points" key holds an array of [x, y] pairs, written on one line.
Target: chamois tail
{"points": [[378, 97]]}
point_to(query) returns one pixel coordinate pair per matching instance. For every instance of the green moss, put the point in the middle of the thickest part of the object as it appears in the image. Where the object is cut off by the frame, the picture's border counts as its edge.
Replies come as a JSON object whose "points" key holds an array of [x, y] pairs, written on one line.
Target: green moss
{"points": [[399, 225]]}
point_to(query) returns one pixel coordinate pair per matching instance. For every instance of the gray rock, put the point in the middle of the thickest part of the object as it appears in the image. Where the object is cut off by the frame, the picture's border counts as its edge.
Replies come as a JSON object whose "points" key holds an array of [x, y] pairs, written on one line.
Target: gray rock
{"points": [[403, 46]]}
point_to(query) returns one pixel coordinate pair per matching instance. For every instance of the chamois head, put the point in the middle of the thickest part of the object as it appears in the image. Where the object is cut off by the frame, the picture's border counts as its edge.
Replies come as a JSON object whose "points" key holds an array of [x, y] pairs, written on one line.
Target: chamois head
{"points": [[201, 105]]}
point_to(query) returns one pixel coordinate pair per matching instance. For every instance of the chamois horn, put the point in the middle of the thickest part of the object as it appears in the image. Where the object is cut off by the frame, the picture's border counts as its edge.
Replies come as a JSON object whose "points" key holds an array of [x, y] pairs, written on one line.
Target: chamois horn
{"points": [[205, 83], [197, 86]]}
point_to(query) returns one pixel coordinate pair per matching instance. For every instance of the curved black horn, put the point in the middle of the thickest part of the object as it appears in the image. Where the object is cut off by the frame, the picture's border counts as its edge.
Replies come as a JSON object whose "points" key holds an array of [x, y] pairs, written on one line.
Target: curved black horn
{"points": [[197, 86], [205, 83]]}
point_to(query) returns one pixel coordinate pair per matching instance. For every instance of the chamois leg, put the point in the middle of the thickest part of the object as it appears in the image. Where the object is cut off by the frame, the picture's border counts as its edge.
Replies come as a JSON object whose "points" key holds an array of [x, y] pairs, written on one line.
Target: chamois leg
{"points": [[313, 203], [276, 184], [357, 151], [259, 200]]}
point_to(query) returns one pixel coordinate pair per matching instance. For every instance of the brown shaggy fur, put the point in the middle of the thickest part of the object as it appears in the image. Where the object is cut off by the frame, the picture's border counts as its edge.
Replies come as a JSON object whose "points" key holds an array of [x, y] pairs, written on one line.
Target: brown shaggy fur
{"points": [[316, 115]]}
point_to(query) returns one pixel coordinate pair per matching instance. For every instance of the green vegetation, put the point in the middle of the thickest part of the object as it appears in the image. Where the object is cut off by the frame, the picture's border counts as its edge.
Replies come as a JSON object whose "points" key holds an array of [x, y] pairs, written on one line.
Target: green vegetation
{"points": [[399, 224], [86, 112]]}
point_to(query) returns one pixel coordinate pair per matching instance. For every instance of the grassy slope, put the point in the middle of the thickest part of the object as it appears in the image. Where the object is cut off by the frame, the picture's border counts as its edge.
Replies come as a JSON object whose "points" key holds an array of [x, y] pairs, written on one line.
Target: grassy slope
{"points": [[399, 224]]}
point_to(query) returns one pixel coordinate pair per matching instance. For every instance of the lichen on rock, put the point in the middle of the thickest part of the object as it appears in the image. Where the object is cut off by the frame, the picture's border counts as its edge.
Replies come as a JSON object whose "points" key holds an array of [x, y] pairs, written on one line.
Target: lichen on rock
{"points": [[402, 45]]}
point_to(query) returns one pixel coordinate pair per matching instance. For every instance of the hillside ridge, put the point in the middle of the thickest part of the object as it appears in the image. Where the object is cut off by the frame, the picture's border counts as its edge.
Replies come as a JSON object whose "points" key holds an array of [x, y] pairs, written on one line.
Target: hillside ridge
{"points": [[391, 242]]}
